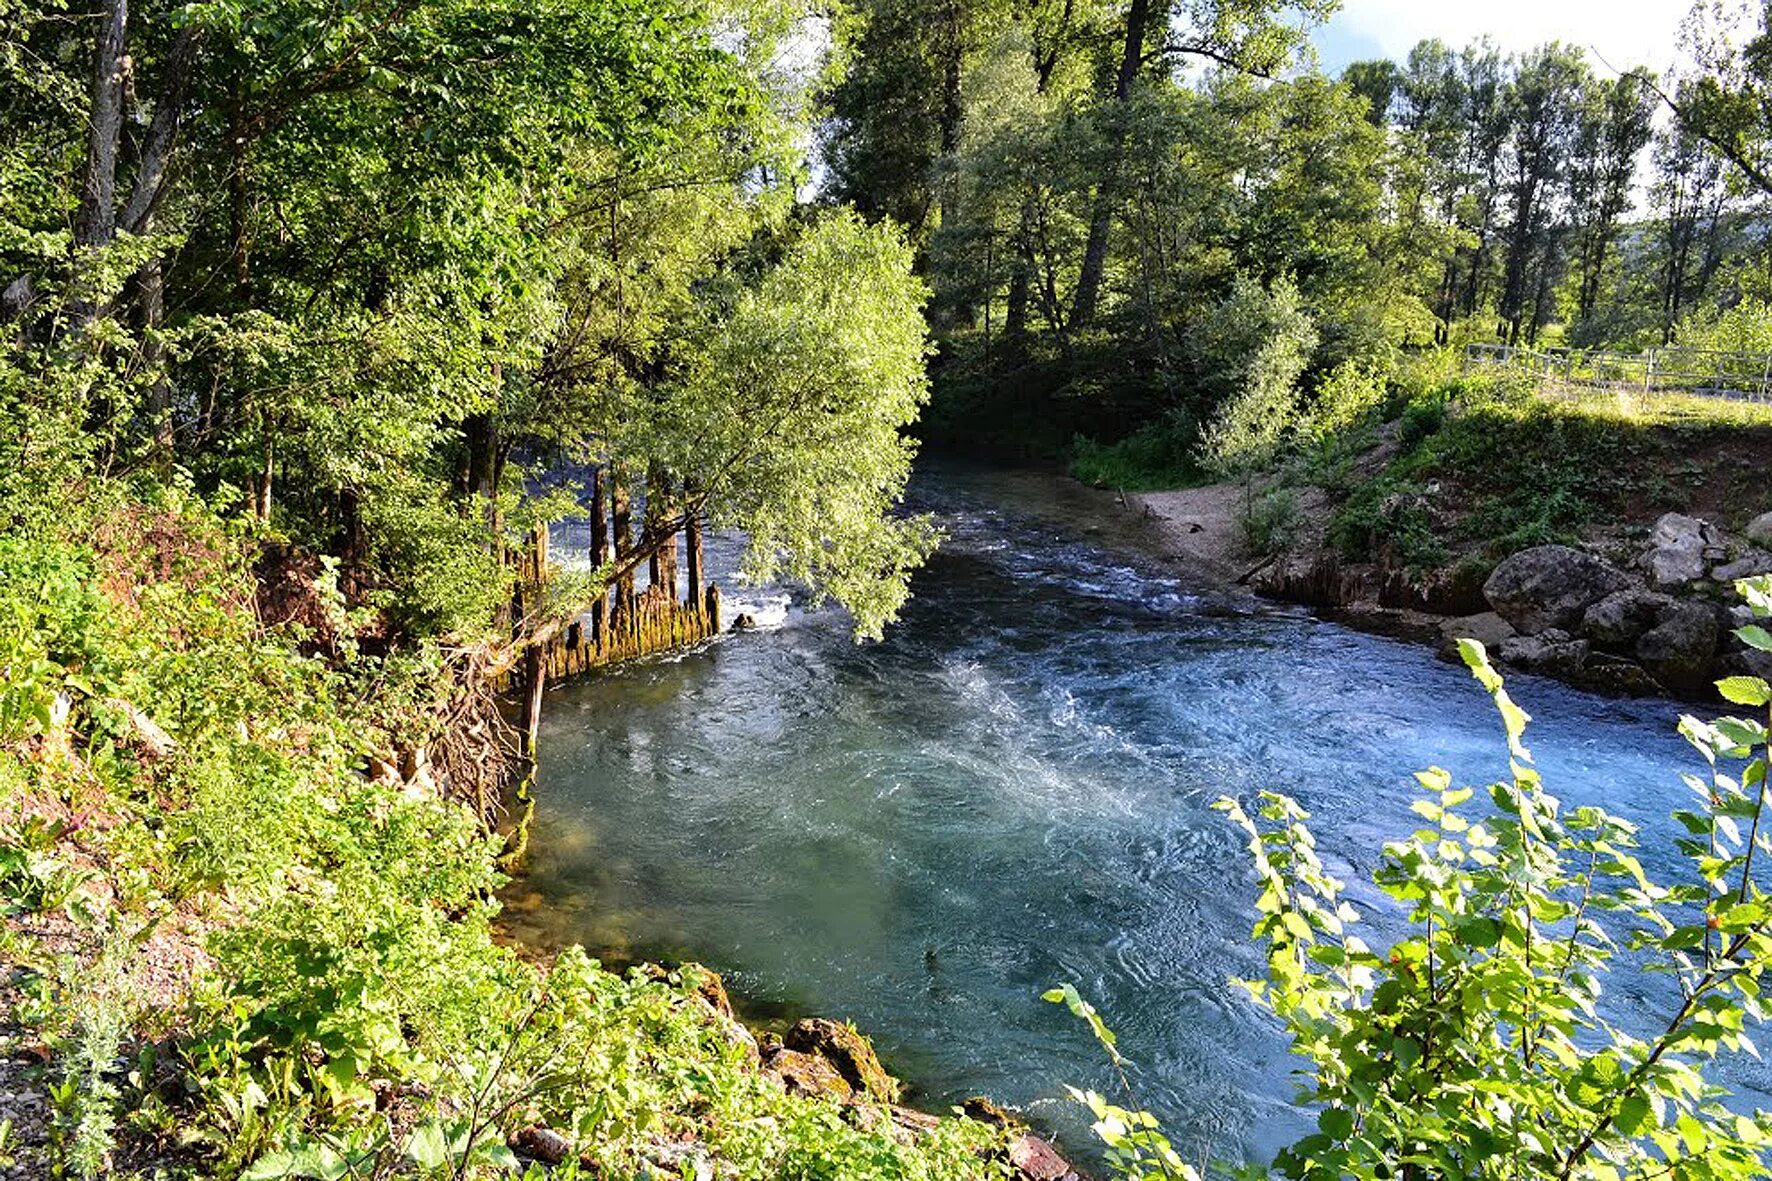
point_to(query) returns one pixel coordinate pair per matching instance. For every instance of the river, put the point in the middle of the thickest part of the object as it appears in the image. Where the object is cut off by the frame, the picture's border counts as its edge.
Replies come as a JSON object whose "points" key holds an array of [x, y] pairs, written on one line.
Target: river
{"points": [[1014, 790]]}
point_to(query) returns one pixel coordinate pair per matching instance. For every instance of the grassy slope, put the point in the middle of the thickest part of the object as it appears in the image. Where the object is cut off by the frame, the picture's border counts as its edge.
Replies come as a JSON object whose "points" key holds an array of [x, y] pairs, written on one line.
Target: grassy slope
{"points": [[1478, 473], [240, 954]]}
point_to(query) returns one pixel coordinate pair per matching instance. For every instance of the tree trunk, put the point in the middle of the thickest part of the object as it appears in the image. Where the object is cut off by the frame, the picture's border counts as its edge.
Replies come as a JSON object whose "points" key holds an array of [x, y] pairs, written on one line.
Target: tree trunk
{"points": [[623, 515], [150, 304], [96, 222], [535, 668], [693, 558], [600, 551], [1101, 215], [238, 195], [661, 547], [162, 137], [261, 499]]}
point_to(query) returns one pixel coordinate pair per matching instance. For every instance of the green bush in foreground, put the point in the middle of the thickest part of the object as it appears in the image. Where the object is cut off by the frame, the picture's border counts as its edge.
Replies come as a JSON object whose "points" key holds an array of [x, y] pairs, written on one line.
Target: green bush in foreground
{"points": [[1477, 1046]]}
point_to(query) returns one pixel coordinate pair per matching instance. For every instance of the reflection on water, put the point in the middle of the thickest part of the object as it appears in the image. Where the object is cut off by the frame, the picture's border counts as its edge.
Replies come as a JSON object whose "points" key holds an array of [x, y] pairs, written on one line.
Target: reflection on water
{"points": [[1014, 790]]}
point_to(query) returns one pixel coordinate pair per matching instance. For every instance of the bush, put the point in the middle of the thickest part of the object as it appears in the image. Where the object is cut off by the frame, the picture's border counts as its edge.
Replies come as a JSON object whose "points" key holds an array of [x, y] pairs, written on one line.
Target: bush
{"points": [[1420, 420], [1481, 1037], [1157, 456], [1271, 521], [1251, 351]]}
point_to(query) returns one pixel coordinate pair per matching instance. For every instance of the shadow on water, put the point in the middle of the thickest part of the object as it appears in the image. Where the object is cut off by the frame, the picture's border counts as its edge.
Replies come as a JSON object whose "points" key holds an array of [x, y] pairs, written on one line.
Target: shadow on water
{"points": [[1014, 790]]}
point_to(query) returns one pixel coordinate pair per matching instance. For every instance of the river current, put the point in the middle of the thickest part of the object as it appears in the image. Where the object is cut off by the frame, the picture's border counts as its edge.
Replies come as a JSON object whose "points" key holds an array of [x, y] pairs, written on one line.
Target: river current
{"points": [[1014, 790]]}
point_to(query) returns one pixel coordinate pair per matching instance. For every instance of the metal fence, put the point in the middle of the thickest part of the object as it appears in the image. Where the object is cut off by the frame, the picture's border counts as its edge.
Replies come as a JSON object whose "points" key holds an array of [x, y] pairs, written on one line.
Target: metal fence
{"points": [[1739, 376]]}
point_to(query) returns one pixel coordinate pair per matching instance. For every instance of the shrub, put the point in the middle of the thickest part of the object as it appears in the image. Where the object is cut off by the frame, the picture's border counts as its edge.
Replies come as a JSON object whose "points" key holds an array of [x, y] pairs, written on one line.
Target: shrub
{"points": [[1478, 1045], [1420, 420], [1251, 351], [1159, 455], [1271, 520]]}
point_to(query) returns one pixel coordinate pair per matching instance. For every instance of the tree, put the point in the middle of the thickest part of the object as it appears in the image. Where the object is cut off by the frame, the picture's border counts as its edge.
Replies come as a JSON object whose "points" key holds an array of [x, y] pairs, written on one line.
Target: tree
{"points": [[1244, 35]]}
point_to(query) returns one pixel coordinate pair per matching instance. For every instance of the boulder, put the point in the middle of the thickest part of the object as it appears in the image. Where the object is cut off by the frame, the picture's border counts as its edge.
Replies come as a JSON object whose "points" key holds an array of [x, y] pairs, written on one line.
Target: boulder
{"points": [[1676, 554], [1553, 652], [848, 1052], [1746, 566], [1619, 620], [1679, 649], [1550, 586], [808, 1075], [675, 1159], [1036, 1160], [1487, 628], [542, 1143], [1759, 530]]}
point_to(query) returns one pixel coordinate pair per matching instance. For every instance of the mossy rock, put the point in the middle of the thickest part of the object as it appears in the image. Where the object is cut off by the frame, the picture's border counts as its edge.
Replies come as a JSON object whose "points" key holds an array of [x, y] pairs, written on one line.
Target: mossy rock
{"points": [[848, 1051]]}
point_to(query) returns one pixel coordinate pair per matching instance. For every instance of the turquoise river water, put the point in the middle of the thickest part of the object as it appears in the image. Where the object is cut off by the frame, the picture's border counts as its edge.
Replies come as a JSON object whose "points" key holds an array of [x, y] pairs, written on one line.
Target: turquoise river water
{"points": [[1014, 790]]}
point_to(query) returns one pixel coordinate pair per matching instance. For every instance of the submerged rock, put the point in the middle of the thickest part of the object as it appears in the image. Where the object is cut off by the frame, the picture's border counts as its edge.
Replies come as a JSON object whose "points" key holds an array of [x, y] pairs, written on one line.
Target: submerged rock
{"points": [[1550, 586]]}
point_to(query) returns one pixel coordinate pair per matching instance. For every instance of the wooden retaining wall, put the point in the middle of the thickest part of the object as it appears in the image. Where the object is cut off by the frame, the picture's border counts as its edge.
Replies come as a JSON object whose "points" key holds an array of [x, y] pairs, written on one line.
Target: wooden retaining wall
{"points": [[653, 622], [625, 622]]}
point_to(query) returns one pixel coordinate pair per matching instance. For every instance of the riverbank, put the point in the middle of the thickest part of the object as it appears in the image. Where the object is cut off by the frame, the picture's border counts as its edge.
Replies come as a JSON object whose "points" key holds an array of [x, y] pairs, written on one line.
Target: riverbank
{"points": [[1479, 510], [248, 918]]}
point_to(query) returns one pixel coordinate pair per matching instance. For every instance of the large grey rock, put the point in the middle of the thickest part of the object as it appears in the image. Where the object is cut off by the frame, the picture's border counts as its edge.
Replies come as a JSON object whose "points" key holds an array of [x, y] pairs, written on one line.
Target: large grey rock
{"points": [[1676, 554], [1746, 566], [1487, 628], [1551, 652], [1550, 586], [1617, 621], [1679, 649], [1759, 530]]}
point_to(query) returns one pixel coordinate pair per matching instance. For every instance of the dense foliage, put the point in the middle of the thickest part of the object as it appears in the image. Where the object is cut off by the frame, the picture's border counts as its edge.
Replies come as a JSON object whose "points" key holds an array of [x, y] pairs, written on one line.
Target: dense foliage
{"points": [[299, 304], [1092, 186], [352, 1015]]}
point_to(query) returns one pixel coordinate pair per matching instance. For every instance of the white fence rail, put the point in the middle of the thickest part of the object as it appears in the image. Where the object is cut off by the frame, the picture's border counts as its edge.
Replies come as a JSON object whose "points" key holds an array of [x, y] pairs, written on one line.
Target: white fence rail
{"points": [[1739, 376]]}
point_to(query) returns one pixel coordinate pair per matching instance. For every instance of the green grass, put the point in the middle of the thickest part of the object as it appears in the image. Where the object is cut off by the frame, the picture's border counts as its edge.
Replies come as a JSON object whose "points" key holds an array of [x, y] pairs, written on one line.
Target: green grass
{"points": [[1159, 456], [1488, 471]]}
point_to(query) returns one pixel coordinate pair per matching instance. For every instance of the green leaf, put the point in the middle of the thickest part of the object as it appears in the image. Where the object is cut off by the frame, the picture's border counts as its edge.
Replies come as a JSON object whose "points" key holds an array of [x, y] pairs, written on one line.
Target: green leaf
{"points": [[1755, 636], [1633, 1114], [1751, 691], [1337, 1123]]}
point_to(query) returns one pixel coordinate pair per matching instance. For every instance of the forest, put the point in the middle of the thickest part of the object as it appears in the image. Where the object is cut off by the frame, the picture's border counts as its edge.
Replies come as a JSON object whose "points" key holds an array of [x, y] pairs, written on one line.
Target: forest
{"points": [[321, 320]]}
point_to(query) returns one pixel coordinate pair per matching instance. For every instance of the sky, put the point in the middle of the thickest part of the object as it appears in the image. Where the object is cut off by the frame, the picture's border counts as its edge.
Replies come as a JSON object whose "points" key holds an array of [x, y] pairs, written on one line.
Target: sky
{"points": [[1624, 33]]}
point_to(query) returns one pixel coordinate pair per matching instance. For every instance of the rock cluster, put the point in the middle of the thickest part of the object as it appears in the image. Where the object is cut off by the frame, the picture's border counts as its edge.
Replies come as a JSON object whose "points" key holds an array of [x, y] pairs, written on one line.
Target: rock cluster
{"points": [[1664, 625]]}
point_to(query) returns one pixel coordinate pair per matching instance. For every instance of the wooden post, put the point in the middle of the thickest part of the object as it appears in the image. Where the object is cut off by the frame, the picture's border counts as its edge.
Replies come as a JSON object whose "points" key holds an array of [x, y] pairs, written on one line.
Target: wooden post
{"points": [[624, 545], [713, 610], [693, 561], [535, 666]]}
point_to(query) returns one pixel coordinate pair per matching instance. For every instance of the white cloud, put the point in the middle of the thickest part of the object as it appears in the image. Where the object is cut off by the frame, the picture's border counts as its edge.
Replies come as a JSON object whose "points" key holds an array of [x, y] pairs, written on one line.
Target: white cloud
{"points": [[1624, 33]]}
